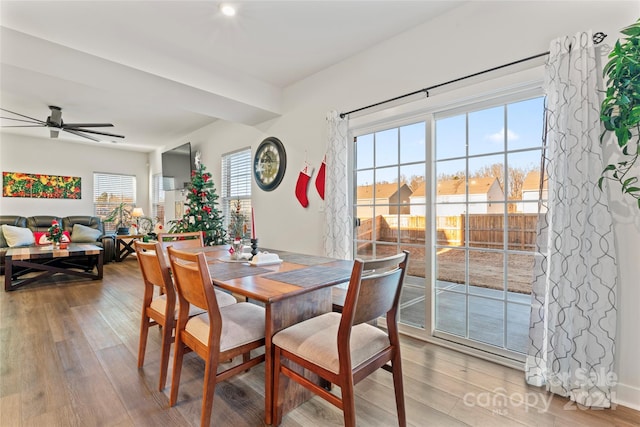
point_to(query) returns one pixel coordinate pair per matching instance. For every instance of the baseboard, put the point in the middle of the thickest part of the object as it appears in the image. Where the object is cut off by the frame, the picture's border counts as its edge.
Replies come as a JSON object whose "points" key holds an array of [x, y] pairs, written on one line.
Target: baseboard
{"points": [[626, 395]]}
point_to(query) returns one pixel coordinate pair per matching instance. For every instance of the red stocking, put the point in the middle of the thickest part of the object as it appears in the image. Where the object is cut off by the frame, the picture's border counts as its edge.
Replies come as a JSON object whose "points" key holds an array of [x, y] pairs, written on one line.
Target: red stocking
{"points": [[320, 178], [301, 185]]}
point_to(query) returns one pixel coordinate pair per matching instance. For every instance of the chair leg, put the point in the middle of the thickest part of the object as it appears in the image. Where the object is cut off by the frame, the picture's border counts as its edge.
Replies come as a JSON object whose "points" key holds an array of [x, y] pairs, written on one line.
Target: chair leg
{"points": [[164, 355], [398, 387], [177, 369], [348, 403], [144, 332], [276, 413], [208, 394]]}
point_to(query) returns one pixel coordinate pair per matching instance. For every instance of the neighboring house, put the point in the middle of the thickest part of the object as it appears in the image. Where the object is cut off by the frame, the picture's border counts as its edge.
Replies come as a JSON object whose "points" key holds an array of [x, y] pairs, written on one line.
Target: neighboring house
{"points": [[386, 198], [531, 192], [451, 196]]}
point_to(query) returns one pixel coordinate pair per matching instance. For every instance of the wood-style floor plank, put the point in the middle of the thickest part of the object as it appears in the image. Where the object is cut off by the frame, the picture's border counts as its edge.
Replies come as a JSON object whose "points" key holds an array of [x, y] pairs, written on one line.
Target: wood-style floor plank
{"points": [[68, 357]]}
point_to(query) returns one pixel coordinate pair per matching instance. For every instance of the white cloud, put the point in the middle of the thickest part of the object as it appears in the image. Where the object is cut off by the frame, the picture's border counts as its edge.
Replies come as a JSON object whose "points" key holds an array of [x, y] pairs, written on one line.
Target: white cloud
{"points": [[499, 136]]}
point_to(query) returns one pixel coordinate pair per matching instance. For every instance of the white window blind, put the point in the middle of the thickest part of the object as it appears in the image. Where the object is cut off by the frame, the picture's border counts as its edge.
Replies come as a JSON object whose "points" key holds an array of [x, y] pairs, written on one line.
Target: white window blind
{"points": [[109, 190], [157, 198], [236, 183]]}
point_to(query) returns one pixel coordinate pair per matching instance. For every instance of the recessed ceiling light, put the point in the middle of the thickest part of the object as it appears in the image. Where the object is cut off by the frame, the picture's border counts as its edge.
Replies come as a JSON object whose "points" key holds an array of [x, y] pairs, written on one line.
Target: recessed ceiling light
{"points": [[227, 10]]}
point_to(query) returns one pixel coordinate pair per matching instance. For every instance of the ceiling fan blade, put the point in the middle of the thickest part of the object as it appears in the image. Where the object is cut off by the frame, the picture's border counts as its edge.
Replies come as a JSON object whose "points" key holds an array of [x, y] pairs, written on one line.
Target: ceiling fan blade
{"points": [[21, 115], [24, 126], [75, 132], [93, 131], [56, 116], [39, 123], [87, 125]]}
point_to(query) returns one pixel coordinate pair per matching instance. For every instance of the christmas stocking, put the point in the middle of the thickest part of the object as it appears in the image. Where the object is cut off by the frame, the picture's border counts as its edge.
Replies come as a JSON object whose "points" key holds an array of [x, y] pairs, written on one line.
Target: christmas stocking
{"points": [[320, 178], [301, 185]]}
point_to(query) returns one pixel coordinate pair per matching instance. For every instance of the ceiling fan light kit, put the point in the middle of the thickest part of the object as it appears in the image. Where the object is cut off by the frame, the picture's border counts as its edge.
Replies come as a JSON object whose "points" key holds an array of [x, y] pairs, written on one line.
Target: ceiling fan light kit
{"points": [[55, 124]]}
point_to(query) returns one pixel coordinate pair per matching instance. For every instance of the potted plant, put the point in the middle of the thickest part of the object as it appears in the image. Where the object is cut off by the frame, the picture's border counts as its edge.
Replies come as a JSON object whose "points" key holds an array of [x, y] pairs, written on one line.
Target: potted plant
{"points": [[620, 111], [121, 216]]}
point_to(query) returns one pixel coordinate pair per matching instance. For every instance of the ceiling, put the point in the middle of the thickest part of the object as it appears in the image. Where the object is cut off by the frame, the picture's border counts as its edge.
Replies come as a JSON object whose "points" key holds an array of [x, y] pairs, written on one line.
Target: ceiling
{"points": [[159, 70]]}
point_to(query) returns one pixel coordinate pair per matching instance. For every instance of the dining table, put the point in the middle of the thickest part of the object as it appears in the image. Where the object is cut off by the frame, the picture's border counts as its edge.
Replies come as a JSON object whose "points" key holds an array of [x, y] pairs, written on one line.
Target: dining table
{"points": [[293, 290]]}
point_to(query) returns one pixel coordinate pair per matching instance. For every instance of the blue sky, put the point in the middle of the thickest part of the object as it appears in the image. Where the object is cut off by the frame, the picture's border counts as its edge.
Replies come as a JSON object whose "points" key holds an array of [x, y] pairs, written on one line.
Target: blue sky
{"points": [[486, 131]]}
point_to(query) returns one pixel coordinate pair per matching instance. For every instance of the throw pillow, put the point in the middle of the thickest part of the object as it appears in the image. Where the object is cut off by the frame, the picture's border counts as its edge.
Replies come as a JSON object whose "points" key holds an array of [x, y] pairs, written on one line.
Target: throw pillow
{"points": [[17, 236], [3, 241], [84, 234]]}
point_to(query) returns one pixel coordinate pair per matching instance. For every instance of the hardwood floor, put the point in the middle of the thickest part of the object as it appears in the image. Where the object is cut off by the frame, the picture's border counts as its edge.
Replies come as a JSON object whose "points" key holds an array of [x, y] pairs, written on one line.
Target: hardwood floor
{"points": [[68, 358]]}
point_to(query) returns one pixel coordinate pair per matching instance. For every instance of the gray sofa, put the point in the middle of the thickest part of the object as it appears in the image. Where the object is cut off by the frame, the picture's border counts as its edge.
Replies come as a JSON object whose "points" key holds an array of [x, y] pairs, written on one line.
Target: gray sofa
{"points": [[43, 222]]}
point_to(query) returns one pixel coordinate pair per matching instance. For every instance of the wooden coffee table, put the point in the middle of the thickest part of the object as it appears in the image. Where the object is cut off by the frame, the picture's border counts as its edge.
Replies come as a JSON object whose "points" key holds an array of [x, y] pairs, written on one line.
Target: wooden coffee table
{"points": [[78, 259]]}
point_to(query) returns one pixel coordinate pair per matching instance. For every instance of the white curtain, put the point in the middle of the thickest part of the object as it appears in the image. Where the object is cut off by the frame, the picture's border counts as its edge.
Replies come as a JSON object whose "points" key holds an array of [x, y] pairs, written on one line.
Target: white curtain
{"points": [[573, 313], [338, 221]]}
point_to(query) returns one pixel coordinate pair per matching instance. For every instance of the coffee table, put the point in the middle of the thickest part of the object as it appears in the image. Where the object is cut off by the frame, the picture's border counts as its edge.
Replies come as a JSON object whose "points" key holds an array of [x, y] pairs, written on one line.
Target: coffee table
{"points": [[78, 259]]}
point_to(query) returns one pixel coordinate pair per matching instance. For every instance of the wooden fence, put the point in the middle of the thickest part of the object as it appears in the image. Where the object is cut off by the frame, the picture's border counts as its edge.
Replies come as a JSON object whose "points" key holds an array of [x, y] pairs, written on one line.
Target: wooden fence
{"points": [[484, 230]]}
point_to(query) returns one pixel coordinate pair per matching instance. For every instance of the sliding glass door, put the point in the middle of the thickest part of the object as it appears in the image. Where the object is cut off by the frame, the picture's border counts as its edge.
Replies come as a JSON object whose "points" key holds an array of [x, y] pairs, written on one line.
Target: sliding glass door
{"points": [[460, 190]]}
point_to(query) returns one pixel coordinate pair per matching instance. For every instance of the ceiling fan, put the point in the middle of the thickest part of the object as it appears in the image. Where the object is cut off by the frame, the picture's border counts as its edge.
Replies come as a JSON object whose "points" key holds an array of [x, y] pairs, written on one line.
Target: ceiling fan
{"points": [[55, 124]]}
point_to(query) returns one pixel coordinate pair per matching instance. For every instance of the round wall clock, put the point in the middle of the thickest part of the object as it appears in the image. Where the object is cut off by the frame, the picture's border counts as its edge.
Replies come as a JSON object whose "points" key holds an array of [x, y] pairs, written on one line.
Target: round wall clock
{"points": [[269, 163]]}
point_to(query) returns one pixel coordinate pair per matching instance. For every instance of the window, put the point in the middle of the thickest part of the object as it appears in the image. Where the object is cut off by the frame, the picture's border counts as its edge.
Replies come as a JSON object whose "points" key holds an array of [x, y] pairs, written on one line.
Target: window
{"points": [[458, 186], [236, 184], [109, 190], [157, 199]]}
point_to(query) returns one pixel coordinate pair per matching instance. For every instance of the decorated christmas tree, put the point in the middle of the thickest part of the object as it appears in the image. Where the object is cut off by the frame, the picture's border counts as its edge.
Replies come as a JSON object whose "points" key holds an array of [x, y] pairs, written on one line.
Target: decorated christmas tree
{"points": [[201, 213]]}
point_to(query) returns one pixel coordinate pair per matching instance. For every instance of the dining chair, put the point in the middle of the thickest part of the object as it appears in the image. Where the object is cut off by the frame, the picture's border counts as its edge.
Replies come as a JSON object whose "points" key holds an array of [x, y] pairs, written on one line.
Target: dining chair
{"points": [[219, 334], [161, 308], [191, 239], [344, 348], [339, 292]]}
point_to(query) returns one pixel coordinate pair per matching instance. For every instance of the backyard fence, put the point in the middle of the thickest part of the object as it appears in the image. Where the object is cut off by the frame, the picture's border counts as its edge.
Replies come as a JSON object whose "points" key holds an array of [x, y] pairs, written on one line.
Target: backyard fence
{"points": [[484, 230]]}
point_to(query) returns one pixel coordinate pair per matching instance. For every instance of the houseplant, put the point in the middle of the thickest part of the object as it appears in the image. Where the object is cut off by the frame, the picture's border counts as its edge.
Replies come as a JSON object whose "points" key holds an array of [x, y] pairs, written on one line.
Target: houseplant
{"points": [[121, 216], [620, 111]]}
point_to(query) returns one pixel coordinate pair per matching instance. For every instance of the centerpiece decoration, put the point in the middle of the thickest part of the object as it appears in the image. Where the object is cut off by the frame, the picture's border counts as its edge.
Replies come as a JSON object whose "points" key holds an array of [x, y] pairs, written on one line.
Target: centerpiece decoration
{"points": [[55, 233], [201, 212], [237, 231]]}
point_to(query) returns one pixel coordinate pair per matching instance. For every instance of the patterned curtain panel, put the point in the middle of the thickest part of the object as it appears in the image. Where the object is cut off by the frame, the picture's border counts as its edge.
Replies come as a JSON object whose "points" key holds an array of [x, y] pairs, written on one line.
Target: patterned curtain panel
{"points": [[338, 221], [573, 313]]}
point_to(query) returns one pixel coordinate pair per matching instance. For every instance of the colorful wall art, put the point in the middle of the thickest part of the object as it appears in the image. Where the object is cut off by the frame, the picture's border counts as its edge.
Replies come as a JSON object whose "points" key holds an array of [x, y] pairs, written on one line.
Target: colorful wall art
{"points": [[17, 184]]}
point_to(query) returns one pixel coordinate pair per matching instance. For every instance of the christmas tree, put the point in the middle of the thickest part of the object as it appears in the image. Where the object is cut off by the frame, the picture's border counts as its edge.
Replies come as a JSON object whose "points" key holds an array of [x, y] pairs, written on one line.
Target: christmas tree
{"points": [[201, 213]]}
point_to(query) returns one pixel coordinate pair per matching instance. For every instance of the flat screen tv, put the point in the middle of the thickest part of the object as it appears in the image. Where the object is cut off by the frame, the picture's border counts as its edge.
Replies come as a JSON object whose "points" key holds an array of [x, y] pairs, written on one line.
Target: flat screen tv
{"points": [[177, 164]]}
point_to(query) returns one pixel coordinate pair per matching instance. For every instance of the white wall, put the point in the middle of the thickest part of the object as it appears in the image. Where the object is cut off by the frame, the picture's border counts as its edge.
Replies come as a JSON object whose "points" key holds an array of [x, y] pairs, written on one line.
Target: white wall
{"points": [[474, 37], [54, 157]]}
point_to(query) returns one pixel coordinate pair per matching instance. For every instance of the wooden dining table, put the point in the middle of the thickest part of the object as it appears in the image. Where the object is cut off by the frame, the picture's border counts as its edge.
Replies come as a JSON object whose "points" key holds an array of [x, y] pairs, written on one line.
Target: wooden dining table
{"points": [[295, 290]]}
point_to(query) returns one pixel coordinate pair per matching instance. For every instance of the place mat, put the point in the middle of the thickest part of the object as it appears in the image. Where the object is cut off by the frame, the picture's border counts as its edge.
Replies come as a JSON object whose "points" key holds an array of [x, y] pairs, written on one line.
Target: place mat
{"points": [[226, 271], [301, 259], [311, 276]]}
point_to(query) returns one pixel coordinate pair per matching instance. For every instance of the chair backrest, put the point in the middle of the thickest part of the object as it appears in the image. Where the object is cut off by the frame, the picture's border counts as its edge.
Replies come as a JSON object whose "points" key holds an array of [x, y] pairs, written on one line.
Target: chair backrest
{"points": [[193, 285], [155, 271], [374, 293], [192, 239]]}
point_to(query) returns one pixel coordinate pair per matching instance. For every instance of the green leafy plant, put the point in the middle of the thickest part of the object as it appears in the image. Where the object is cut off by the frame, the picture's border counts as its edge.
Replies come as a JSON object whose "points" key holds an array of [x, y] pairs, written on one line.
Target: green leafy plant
{"points": [[120, 215], [620, 110]]}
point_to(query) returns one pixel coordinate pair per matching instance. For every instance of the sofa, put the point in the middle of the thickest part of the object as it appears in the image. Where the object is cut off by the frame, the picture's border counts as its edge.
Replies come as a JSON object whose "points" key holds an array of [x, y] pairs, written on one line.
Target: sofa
{"points": [[41, 223]]}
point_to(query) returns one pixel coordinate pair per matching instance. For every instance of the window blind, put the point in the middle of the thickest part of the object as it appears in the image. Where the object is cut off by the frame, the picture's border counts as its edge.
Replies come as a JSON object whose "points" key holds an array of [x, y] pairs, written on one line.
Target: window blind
{"points": [[109, 190], [236, 183]]}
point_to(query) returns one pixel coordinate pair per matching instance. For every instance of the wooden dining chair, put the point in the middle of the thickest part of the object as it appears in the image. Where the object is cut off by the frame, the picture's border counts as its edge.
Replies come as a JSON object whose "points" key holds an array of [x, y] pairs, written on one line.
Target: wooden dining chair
{"points": [[192, 239], [344, 348], [339, 292], [219, 334], [159, 308]]}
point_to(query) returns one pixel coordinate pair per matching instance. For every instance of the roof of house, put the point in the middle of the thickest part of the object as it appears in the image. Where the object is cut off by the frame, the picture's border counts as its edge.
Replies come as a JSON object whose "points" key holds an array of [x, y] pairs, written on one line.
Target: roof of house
{"points": [[456, 186], [532, 182], [383, 191]]}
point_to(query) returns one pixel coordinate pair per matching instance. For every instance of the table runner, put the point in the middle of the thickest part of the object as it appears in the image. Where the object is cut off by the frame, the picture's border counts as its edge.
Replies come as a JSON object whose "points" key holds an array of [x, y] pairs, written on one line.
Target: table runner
{"points": [[226, 271], [301, 259], [310, 276]]}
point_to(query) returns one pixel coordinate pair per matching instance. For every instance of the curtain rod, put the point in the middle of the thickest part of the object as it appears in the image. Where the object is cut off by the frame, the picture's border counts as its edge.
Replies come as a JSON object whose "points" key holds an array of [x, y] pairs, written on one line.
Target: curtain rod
{"points": [[597, 39]]}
